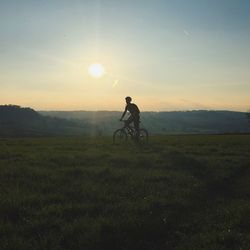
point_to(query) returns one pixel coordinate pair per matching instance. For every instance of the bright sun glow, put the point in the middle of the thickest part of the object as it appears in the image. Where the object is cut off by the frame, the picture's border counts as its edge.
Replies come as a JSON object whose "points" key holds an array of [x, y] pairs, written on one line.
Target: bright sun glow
{"points": [[96, 70]]}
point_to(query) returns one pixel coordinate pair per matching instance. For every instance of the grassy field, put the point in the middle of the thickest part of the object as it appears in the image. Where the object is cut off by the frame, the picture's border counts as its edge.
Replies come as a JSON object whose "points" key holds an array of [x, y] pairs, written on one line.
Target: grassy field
{"points": [[178, 192]]}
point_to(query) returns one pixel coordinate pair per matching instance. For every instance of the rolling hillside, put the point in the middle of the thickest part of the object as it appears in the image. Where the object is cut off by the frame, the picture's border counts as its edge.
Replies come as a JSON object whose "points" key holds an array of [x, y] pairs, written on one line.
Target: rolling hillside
{"points": [[202, 121], [18, 121]]}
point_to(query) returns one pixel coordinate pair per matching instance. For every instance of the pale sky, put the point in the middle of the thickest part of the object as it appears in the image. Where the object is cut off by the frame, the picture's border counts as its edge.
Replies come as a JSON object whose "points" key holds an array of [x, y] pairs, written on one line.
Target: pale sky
{"points": [[165, 54]]}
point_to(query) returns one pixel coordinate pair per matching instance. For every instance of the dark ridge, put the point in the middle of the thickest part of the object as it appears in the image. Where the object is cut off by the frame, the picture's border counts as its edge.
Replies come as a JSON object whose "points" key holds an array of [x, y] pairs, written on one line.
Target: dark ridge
{"points": [[20, 121]]}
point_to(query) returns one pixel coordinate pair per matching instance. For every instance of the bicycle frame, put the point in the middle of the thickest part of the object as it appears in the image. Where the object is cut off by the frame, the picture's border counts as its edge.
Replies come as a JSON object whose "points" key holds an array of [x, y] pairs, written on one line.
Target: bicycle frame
{"points": [[129, 129]]}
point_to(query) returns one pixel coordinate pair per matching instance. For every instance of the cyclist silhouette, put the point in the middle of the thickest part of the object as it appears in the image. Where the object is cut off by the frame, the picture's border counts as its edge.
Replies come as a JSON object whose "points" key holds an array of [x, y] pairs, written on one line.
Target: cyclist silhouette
{"points": [[134, 114]]}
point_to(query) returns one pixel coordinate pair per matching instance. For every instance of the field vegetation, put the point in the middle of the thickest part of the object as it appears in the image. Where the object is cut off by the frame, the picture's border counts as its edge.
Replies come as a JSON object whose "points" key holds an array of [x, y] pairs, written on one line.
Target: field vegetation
{"points": [[177, 192]]}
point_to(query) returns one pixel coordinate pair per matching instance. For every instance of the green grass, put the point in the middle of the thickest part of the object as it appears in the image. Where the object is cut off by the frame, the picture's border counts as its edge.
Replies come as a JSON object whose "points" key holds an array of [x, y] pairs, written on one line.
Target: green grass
{"points": [[178, 192]]}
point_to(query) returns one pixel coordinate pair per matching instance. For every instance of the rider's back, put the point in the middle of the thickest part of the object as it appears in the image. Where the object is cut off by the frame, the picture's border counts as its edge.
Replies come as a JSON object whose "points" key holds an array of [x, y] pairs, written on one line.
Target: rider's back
{"points": [[133, 109]]}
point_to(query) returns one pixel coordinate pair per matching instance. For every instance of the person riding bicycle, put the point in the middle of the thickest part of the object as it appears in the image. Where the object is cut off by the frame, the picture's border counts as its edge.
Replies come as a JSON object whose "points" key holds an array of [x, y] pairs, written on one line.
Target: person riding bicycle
{"points": [[134, 114]]}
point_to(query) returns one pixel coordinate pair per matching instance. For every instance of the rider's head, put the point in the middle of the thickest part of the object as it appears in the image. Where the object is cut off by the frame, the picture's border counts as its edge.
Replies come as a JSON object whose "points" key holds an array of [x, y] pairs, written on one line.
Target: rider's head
{"points": [[128, 99]]}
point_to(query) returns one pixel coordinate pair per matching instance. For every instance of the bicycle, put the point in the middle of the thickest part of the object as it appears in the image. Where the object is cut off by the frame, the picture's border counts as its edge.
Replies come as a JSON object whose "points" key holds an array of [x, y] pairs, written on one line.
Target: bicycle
{"points": [[121, 135]]}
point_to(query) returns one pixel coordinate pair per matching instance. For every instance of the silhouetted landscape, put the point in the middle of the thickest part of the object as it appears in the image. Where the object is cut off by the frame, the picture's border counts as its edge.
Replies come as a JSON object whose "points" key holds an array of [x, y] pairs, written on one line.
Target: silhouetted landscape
{"points": [[18, 121], [197, 121], [124, 125], [15, 120], [67, 185]]}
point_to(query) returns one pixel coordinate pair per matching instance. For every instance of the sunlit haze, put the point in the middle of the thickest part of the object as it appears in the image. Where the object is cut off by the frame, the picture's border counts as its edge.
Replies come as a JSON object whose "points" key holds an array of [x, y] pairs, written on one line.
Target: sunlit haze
{"points": [[96, 70], [167, 55]]}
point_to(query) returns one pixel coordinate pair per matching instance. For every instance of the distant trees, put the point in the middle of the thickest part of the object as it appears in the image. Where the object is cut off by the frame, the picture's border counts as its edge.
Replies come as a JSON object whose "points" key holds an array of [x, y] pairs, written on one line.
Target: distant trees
{"points": [[248, 115], [11, 115], [197, 121], [15, 120]]}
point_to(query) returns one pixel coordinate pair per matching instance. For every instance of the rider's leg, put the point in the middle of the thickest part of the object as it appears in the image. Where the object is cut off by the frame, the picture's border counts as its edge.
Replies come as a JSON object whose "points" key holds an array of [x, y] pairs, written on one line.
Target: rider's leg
{"points": [[129, 121], [137, 127]]}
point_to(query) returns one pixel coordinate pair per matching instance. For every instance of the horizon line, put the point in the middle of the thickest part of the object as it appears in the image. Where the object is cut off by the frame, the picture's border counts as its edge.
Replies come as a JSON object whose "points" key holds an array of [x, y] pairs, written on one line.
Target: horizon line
{"points": [[105, 110], [145, 111]]}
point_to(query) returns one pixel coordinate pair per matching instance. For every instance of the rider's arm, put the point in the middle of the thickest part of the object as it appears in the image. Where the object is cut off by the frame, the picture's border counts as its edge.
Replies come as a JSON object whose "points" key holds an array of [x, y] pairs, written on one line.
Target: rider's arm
{"points": [[124, 113]]}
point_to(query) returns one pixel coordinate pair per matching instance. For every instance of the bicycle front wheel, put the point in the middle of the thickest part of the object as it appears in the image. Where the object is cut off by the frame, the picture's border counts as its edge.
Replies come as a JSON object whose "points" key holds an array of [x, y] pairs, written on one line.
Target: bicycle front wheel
{"points": [[143, 136], [120, 136]]}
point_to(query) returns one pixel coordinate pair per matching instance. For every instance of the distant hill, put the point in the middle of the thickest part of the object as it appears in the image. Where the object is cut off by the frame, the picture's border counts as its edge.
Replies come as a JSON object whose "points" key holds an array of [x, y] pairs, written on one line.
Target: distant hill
{"points": [[198, 121], [18, 121]]}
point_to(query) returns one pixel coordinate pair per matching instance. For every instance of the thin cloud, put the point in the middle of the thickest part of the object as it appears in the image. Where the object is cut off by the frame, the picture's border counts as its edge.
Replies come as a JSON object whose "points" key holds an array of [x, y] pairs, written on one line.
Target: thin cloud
{"points": [[52, 58]]}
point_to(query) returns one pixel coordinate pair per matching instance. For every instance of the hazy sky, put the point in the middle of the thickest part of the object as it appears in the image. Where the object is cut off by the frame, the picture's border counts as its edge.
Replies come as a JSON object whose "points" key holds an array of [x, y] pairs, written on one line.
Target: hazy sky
{"points": [[166, 54]]}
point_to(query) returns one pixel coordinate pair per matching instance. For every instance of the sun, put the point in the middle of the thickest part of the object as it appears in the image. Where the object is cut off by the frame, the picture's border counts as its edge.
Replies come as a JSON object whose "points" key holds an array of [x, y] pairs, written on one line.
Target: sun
{"points": [[96, 70]]}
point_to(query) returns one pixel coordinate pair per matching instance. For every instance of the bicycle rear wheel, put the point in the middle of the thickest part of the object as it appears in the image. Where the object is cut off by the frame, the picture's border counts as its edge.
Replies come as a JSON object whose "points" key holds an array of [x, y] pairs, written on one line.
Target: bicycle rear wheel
{"points": [[120, 136], [143, 136]]}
